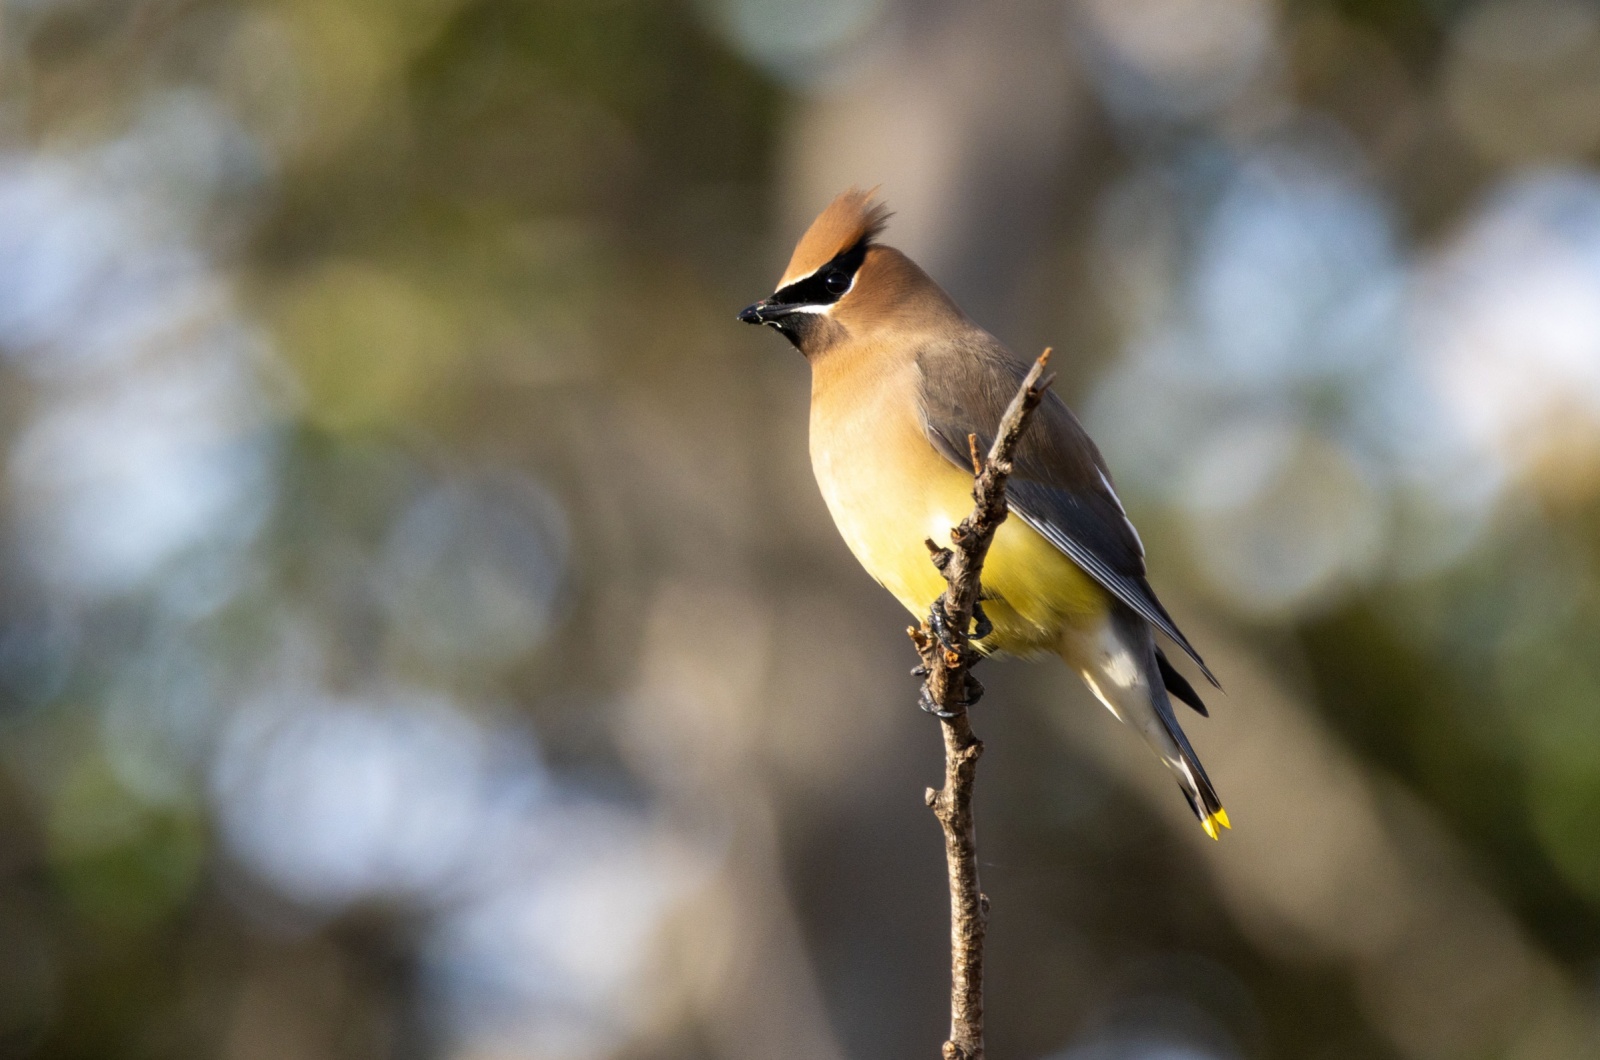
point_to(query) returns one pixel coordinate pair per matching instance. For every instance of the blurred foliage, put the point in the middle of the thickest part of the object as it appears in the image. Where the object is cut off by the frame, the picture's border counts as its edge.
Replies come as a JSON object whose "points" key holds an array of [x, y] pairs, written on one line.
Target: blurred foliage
{"points": [[418, 632]]}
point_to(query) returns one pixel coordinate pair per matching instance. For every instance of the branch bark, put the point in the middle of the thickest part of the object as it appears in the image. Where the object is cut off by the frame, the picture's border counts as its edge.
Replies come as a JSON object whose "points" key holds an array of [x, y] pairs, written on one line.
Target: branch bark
{"points": [[945, 644]]}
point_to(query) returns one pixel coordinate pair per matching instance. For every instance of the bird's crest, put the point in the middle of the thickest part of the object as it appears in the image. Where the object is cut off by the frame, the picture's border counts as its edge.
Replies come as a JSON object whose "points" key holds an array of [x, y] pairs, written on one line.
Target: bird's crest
{"points": [[854, 217]]}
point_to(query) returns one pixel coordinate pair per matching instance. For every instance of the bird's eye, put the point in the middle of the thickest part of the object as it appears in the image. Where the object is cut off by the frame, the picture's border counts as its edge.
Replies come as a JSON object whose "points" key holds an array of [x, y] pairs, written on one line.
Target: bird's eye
{"points": [[836, 282]]}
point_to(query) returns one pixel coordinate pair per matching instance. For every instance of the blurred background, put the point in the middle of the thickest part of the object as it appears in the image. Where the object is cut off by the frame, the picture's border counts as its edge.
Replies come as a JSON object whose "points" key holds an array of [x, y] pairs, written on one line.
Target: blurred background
{"points": [[421, 637]]}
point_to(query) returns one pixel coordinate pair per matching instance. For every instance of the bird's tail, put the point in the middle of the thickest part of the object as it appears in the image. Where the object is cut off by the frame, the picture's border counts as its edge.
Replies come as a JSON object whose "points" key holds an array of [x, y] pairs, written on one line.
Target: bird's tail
{"points": [[1196, 787], [1119, 662], [1172, 747]]}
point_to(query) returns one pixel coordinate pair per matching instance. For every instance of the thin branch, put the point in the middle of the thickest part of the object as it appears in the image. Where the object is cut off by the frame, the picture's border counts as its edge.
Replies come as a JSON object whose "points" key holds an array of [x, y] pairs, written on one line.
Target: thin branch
{"points": [[944, 642]]}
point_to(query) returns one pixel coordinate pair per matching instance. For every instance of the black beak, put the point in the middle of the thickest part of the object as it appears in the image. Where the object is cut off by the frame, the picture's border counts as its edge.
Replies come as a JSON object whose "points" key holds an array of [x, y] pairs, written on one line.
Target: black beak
{"points": [[767, 311]]}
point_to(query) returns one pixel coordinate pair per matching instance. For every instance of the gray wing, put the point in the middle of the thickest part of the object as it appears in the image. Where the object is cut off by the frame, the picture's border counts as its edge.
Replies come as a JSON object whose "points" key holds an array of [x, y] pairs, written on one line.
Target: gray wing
{"points": [[1060, 485]]}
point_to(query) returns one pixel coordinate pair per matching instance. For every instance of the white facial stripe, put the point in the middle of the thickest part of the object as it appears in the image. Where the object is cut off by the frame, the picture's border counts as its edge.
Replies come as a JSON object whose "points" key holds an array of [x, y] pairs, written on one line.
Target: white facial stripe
{"points": [[787, 282], [815, 310]]}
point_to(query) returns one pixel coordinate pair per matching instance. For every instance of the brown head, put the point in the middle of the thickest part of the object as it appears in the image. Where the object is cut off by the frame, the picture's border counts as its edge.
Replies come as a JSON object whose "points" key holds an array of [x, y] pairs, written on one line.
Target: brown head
{"points": [[841, 284]]}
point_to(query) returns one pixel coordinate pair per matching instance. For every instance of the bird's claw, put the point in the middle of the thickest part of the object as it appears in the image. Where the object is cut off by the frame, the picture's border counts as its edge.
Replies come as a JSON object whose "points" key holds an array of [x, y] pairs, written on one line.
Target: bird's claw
{"points": [[925, 701], [939, 623], [973, 691], [982, 627]]}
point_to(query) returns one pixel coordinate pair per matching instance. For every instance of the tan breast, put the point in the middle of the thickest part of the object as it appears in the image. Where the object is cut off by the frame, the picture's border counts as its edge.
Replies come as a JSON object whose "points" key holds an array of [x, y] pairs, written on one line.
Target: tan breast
{"points": [[889, 490], [886, 486]]}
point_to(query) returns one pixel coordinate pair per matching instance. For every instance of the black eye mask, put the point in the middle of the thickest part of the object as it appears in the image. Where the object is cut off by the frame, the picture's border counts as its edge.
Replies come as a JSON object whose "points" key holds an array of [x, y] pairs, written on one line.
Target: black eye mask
{"points": [[828, 284]]}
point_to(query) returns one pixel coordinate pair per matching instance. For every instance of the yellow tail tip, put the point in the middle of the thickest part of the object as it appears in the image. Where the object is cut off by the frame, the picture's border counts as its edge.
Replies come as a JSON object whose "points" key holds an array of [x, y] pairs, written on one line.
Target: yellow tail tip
{"points": [[1211, 822]]}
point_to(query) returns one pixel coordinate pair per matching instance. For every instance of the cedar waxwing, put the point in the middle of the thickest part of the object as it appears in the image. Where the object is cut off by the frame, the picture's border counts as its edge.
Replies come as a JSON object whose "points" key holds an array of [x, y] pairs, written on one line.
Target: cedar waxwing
{"points": [[899, 378]]}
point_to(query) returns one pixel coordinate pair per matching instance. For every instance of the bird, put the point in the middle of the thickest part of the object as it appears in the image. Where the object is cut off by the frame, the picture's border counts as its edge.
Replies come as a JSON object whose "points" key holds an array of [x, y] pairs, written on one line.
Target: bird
{"points": [[901, 381]]}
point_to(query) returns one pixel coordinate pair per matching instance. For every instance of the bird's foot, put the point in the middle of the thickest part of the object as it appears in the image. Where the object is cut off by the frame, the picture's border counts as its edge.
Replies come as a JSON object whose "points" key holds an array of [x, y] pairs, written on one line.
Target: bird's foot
{"points": [[982, 627], [926, 702], [939, 622], [972, 692]]}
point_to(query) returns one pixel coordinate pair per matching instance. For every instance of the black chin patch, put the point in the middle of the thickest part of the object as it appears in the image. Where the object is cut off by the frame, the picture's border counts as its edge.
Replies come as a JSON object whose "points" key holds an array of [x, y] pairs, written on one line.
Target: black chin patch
{"points": [[796, 327]]}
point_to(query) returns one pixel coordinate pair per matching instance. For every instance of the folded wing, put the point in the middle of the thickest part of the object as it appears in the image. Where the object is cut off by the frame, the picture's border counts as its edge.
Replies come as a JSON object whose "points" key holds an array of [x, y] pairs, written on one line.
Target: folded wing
{"points": [[1060, 485]]}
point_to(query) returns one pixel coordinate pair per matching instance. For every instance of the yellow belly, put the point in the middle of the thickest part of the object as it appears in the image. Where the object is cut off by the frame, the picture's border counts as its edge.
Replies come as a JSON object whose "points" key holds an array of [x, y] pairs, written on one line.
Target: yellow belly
{"points": [[889, 490]]}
